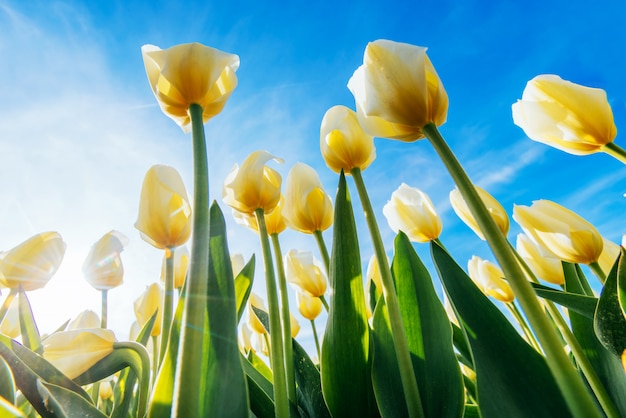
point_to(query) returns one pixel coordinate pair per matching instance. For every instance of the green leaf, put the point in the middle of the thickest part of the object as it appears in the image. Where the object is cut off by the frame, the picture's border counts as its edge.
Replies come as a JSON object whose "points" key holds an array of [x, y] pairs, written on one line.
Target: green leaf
{"points": [[28, 327], [258, 363], [7, 384], [65, 403], [309, 384], [226, 392], [345, 347], [8, 410], [606, 365], [243, 286], [609, 321], [580, 303], [511, 377], [261, 391], [621, 283], [471, 411]]}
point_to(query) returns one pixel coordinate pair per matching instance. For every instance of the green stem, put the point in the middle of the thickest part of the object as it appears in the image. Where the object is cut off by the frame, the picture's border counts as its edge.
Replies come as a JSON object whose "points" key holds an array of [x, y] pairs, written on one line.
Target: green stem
{"points": [[317, 340], [523, 325], [325, 303], [7, 303], [105, 310], [186, 402], [168, 304], [323, 249], [407, 375], [143, 373], [277, 358], [286, 321], [155, 357], [570, 382], [615, 151], [597, 270]]}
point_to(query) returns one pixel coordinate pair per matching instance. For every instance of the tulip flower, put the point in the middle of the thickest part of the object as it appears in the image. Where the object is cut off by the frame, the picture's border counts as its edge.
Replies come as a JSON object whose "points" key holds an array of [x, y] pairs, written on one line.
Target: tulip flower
{"points": [[307, 206], [150, 301], [490, 279], [164, 219], [343, 142], [253, 185], [274, 221], [74, 352], [309, 306], [294, 326], [103, 267], [305, 272], [85, 319], [181, 264], [10, 325], [560, 231], [238, 263], [567, 116], [411, 211], [610, 251], [543, 264], [189, 74], [255, 324], [373, 273], [397, 91], [494, 207], [32, 263], [105, 390]]}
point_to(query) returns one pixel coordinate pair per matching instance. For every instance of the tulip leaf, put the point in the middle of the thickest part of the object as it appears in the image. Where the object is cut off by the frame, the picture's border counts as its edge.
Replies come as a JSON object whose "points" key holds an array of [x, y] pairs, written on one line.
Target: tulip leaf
{"points": [[621, 283], [64, 403], [7, 383], [309, 384], [609, 321], [243, 286], [499, 352], [605, 364], [28, 327], [345, 347], [471, 411], [261, 391], [8, 410], [226, 392], [579, 303]]}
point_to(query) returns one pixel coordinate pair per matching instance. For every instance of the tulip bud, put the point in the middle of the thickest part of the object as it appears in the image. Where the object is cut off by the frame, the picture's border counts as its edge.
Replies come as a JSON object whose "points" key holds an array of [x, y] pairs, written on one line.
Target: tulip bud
{"points": [[543, 264], [294, 326], [411, 211], [164, 219], [85, 319], [181, 264], [567, 116], [253, 185], [189, 74], [32, 263], [103, 267], [10, 325], [305, 272], [274, 221], [343, 142], [255, 324], [150, 301], [106, 390], [309, 306], [490, 279], [373, 273], [495, 209], [74, 352], [560, 231], [307, 206], [397, 91]]}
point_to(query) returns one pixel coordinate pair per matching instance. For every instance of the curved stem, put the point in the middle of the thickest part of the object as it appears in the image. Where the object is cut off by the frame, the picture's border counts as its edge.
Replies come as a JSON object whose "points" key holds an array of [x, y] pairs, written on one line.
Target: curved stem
{"points": [[105, 310], [597, 270], [168, 304], [325, 303], [323, 249], [188, 403], [143, 372], [277, 358], [407, 375], [574, 391], [615, 151], [317, 340], [286, 321]]}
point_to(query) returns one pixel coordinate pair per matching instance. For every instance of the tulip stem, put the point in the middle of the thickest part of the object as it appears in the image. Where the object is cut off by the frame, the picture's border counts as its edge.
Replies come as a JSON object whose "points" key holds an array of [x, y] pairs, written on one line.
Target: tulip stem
{"points": [[615, 151], [191, 353], [143, 373], [317, 340], [105, 309], [523, 325], [286, 321], [597, 270], [324, 302], [407, 374], [7, 303], [168, 303], [277, 358], [323, 249], [574, 391]]}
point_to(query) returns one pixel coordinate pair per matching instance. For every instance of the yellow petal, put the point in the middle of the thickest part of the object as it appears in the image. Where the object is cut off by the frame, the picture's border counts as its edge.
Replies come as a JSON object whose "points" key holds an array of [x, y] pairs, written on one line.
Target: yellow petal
{"points": [[103, 267], [494, 208], [150, 301], [307, 206], [411, 211], [305, 272]]}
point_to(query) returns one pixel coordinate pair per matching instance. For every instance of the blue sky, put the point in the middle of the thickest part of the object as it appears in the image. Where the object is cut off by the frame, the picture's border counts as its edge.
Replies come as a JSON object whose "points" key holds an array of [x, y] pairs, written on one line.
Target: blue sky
{"points": [[79, 125]]}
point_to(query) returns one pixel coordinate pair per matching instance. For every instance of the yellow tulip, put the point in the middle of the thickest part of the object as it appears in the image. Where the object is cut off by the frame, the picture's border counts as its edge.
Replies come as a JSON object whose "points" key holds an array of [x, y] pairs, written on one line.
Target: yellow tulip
{"points": [[294, 325], [85, 319], [494, 208], [255, 324], [103, 267], [274, 221], [10, 325], [309, 306], [411, 211], [560, 231], [32, 263], [164, 219], [373, 274], [238, 263], [305, 272], [307, 206], [189, 74], [610, 251], [106, 390], [567, 116], [397, 91], [543, 264], [244, 339], [74, 352], [181, 264], [150, 301], [253, 185], [490, 279], [343, 142]]}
